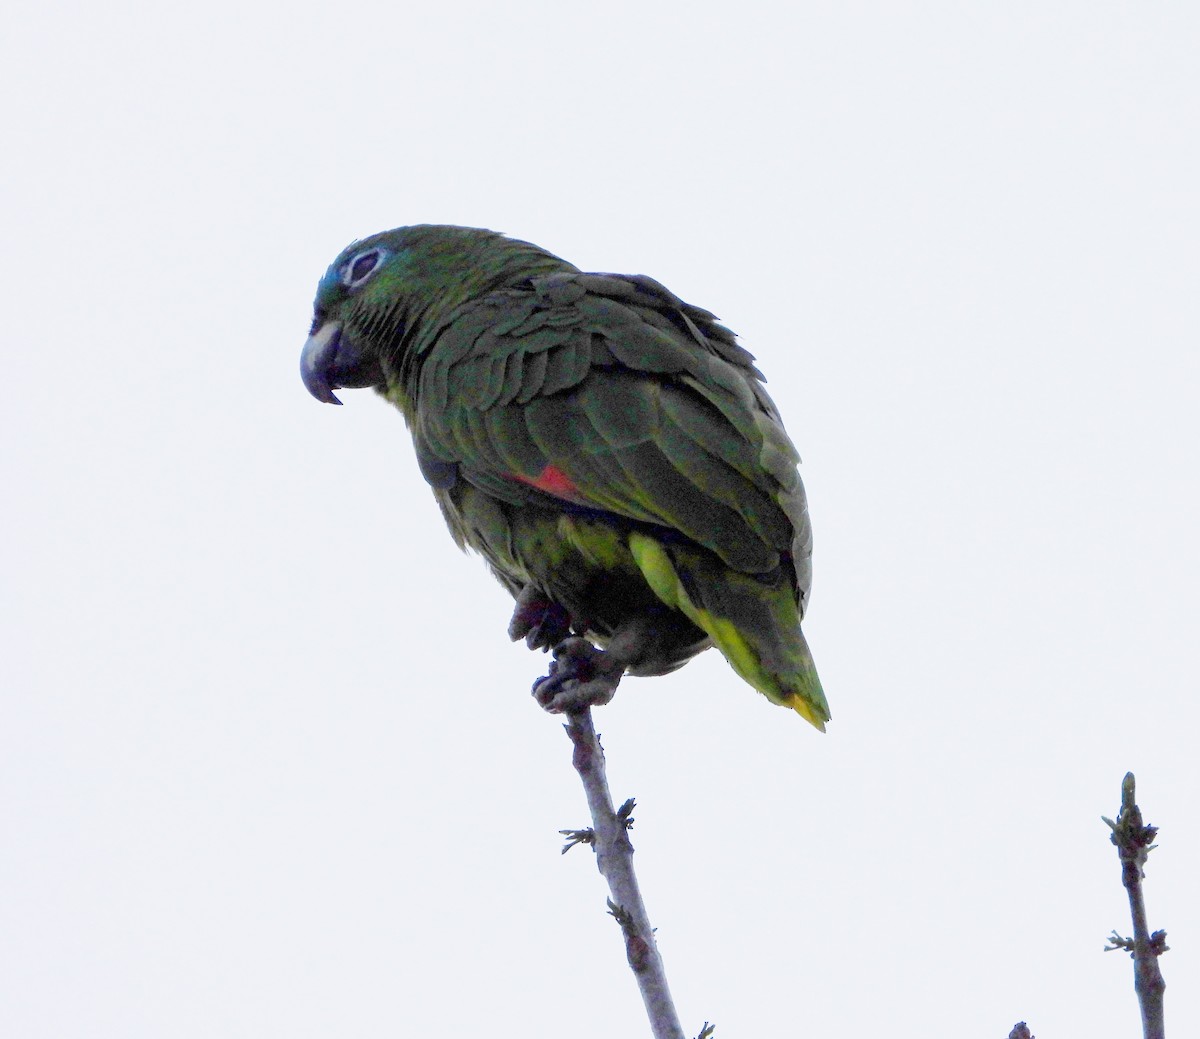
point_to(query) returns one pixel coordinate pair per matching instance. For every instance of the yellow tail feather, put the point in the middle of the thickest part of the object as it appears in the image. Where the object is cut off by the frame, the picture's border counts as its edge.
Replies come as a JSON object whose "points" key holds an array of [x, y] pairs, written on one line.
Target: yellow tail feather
{"points": [[656, 566]]}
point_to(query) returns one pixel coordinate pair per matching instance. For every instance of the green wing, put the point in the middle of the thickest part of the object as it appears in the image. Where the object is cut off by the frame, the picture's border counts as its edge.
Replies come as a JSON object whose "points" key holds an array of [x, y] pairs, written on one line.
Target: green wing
{"points": [[610, 393]]}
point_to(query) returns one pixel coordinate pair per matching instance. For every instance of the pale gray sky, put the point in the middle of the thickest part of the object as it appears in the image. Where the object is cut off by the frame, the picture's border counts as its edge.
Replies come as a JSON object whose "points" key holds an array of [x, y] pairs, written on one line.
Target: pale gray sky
{"points": [[268, 765]]}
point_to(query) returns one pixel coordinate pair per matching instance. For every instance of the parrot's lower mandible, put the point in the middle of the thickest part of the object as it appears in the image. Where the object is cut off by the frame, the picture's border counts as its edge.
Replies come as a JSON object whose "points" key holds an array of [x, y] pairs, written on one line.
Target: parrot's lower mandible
{"points": [[609, 450]]}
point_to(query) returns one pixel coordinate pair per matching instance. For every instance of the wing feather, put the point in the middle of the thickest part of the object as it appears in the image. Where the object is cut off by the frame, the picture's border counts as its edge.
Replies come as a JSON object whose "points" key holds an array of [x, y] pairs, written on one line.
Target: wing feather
{"points": [[644, 404], [533, 376]]}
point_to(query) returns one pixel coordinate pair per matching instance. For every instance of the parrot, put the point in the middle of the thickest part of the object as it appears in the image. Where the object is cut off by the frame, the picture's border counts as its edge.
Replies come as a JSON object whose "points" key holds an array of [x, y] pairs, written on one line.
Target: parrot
{"points": [[608, 449]]}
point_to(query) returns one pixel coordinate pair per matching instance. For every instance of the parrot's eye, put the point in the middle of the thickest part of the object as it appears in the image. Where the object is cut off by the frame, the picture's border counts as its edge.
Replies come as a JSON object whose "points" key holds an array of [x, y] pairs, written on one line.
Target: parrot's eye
{"points": [[361, 268]]}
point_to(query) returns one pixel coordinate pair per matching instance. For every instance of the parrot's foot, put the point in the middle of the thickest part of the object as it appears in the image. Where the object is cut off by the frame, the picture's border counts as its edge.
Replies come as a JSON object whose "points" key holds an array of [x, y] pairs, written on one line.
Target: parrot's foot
{"points": [[539, 621], [580, 676]]}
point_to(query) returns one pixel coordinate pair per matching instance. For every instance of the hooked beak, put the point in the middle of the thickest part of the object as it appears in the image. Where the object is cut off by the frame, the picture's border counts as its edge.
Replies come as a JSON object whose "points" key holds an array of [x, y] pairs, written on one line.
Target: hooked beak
{"points": [[316, 360], [329, 362]]}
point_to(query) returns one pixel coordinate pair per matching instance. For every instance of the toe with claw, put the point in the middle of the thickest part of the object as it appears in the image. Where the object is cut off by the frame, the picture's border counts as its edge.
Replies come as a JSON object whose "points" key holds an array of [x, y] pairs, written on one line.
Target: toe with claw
{"points": [[580, 676], [539, 621]]}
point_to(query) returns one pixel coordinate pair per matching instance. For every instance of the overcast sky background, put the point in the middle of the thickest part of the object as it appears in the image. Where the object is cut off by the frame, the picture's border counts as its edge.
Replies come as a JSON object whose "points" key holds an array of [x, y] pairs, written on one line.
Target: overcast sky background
{"points": [[269, 765]]}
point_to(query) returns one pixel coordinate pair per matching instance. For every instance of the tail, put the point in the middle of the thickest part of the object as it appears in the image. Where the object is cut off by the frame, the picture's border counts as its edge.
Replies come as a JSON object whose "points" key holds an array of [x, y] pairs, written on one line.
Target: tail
{"points": [[755, 625]]}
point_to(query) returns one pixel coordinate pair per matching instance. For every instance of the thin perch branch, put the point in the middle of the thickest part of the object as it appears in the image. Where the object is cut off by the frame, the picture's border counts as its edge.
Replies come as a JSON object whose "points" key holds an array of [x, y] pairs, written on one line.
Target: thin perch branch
{"points": [[614, 859], [1134, 842]]}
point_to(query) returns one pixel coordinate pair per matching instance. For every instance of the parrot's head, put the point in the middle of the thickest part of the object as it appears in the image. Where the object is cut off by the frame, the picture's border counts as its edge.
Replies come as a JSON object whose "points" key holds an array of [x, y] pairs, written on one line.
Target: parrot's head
{"points": [[381, 291]]}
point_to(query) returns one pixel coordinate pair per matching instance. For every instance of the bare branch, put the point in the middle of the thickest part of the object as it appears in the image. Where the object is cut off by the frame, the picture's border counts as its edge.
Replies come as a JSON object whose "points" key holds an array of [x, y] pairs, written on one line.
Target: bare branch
{"points": [[609, 838], [1134, 841]]}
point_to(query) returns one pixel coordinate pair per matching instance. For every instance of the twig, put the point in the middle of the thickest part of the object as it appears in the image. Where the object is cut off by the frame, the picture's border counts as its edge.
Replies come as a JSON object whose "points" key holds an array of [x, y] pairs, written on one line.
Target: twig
{"points": [[609, 838], [1134, 842]]}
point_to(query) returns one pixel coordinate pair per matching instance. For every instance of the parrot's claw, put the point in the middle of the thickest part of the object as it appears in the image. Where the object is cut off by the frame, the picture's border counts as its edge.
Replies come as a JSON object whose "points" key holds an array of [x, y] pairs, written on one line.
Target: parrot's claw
{"points": [[581, 676], [539, 621]]}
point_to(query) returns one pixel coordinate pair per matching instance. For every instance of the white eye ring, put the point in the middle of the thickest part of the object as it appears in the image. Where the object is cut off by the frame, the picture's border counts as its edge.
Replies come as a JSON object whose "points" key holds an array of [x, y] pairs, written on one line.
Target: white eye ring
{"points": [[360, 267]]}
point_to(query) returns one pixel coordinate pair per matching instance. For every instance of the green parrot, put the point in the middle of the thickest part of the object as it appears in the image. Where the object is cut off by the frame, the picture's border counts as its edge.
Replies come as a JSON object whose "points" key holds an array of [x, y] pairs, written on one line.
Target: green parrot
{"points": [[609, 450]]}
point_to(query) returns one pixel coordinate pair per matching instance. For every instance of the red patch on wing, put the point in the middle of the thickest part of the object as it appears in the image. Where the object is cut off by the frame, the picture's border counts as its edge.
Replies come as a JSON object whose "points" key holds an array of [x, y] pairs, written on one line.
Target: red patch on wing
{"points": [[552, 480]]}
